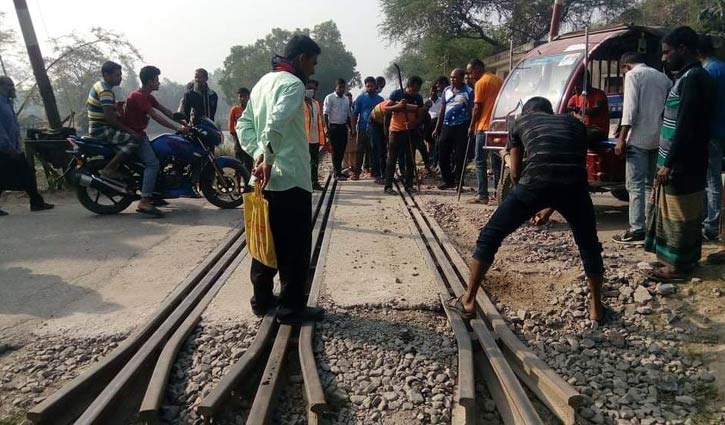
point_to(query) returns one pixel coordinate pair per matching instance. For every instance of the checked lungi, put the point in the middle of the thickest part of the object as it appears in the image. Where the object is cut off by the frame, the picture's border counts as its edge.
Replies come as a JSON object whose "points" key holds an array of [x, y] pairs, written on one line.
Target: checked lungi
{"points": [[674, 225]]}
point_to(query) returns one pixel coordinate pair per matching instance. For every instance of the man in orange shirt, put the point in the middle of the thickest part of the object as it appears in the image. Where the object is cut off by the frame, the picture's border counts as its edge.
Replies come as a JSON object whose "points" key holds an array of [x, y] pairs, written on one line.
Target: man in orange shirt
{"points": [[315, 130], [407, 108], [484, 97], [596, 114], [234, 114]]}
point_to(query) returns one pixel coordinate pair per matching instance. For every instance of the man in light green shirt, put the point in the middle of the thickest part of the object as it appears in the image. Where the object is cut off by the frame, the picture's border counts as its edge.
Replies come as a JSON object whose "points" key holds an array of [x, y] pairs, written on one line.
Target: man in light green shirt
{"points": [[272, 131]]}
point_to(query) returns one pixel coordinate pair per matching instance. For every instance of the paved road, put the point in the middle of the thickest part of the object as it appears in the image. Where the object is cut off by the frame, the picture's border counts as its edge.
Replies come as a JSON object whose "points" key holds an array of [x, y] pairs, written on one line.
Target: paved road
{"points": [[68, 269]]}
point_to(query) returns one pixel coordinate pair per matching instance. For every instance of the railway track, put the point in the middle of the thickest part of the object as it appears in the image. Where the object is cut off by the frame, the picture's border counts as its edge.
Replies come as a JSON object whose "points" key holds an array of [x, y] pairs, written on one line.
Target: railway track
{"points": [[108, 392], [487, 345]]}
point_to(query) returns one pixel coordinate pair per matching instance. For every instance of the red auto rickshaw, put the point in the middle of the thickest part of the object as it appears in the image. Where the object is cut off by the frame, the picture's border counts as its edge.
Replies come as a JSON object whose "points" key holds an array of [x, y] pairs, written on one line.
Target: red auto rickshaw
{"points": [[552, 70]]}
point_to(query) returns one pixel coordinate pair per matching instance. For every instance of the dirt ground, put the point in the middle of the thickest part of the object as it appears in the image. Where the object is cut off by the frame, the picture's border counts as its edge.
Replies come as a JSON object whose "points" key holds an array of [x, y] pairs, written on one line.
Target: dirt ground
{"points": [[525, 276]]}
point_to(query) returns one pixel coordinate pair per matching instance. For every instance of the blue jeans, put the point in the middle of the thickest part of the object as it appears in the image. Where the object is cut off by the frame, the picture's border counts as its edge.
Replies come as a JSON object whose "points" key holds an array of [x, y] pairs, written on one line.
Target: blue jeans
{"points": [[713, 200], [640, 175], [151, 167], [481, 159]]}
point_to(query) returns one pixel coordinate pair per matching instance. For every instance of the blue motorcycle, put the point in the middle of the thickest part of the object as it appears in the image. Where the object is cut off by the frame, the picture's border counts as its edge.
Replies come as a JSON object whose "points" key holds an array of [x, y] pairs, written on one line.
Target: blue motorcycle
{"points": [[186, 161]]}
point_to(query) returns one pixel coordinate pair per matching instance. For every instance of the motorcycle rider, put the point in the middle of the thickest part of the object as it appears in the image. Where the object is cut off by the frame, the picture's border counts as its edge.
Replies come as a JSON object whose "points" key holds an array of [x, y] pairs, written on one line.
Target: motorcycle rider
{"points": [[200, 99], [105, 125], [139, 107]]}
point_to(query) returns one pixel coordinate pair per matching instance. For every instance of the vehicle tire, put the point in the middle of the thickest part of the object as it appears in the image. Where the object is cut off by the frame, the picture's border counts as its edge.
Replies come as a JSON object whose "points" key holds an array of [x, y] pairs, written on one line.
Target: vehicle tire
{"points": [[621, 194], [228, 194], [91, 198], [505, 185]]}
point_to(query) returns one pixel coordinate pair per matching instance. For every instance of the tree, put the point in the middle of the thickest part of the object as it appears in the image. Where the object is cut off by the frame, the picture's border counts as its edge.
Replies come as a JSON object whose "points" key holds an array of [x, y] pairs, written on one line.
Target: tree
{"points": [[712, 17], [7, 38], [434, 56], [494, 22], [667, 13], [76, 66], [247, 64]]}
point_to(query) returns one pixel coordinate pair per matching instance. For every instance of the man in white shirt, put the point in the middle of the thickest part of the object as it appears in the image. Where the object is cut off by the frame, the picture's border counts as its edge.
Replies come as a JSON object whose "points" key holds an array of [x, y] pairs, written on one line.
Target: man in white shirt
{"points": [[645, 92], [436, 98], [336, 109]]}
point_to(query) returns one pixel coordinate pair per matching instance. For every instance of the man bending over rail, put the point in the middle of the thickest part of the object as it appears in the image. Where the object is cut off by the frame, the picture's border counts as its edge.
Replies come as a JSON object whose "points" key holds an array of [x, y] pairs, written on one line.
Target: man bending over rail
{"points": [[555, 176]]}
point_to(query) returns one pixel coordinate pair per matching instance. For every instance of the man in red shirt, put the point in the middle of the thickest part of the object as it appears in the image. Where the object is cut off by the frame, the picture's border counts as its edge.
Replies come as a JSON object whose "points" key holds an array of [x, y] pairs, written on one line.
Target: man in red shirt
{"points": [[139, 106], [596, 114], [234, 114]]}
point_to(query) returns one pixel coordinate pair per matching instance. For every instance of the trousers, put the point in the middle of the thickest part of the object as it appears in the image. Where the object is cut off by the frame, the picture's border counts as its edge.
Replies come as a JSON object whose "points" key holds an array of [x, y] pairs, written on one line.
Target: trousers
{"points": [[290, 218]]}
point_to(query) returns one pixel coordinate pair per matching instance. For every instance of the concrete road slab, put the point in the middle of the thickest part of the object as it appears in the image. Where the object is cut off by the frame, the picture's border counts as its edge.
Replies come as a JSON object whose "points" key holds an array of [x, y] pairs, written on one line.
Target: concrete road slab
{"points": [[68, 269], [373, 257]]}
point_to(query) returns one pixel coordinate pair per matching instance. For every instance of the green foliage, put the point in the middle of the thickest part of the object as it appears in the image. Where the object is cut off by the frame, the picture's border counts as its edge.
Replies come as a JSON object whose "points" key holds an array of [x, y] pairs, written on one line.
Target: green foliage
{"points": [[712, 18], [441, 35], [666, 13], [492, 21], [247, 64], [434, 56]]}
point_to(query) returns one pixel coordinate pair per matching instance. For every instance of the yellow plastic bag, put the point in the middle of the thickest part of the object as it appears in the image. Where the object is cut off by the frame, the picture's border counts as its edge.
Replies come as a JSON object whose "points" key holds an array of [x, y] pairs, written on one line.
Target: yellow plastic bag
{"points": [[256, 223]]}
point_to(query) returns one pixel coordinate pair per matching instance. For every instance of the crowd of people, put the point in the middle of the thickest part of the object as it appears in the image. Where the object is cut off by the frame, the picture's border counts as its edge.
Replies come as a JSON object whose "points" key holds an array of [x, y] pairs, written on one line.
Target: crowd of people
{"points": [[672, 135], [389, 133]]}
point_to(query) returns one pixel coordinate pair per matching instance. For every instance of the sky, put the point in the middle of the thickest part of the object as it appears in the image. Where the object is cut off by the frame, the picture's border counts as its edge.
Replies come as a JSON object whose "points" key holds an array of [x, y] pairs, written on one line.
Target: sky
{"points": [[179, 36]]}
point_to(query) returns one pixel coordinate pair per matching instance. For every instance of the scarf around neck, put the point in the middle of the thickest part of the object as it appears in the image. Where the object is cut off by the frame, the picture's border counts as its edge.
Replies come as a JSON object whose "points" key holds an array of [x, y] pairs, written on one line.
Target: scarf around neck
{"points": [[280, 63]]}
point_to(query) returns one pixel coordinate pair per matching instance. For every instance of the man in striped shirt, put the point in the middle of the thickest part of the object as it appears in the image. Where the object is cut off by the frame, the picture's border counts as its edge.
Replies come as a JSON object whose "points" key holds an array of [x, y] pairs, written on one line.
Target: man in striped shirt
{"points": [[105, 124], [554, 176], [673, 230]]}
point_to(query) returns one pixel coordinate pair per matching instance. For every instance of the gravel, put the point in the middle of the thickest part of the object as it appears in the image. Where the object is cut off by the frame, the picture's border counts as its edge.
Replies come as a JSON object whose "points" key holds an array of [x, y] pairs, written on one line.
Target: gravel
{"points": [[206, 356], [31, 373], [636, 369], [382, 365], [633, 367]]}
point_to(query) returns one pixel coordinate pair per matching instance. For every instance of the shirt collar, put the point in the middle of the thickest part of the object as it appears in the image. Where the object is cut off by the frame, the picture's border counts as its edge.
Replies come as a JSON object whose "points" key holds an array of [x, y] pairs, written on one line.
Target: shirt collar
{"points": [[679, 73]]}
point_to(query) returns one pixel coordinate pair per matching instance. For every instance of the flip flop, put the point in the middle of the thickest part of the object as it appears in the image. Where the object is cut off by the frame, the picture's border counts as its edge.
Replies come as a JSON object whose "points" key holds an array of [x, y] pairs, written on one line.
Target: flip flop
{"points": [[656, 276], [151, 211], [456, 305]]}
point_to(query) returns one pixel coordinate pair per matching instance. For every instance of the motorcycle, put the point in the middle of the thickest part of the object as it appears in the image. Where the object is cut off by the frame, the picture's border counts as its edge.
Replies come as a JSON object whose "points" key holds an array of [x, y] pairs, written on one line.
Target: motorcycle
{"points": [[185, 161]]}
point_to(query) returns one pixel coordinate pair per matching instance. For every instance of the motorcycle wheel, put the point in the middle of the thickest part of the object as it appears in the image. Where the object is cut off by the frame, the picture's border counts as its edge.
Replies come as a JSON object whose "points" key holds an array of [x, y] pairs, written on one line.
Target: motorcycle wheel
{"points": [[96, 201], [227, 193]]}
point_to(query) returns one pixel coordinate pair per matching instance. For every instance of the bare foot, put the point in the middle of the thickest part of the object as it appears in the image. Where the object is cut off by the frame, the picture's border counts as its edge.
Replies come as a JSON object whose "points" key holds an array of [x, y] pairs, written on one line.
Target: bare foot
{"points": [[596, 310]]}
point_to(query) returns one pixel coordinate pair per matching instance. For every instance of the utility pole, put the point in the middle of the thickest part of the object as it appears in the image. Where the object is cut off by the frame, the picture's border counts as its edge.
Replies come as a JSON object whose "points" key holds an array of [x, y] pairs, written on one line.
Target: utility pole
{"points": [[555, 19], [36, 60]]}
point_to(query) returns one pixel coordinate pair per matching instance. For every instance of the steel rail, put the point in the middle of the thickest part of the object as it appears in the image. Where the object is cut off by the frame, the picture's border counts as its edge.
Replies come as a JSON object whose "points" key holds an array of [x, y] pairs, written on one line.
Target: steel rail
{"points": [[314, 393], [465, 396], [66, 404], [156, 390], [102, 404], [212, 404], [466, 388], [558, 395], [262, 405], [514, 396]]}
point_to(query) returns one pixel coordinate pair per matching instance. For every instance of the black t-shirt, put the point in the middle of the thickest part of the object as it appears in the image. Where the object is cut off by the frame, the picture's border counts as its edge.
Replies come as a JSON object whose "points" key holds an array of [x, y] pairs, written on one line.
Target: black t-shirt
{"points": [[398, 95], [555, 147]]}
